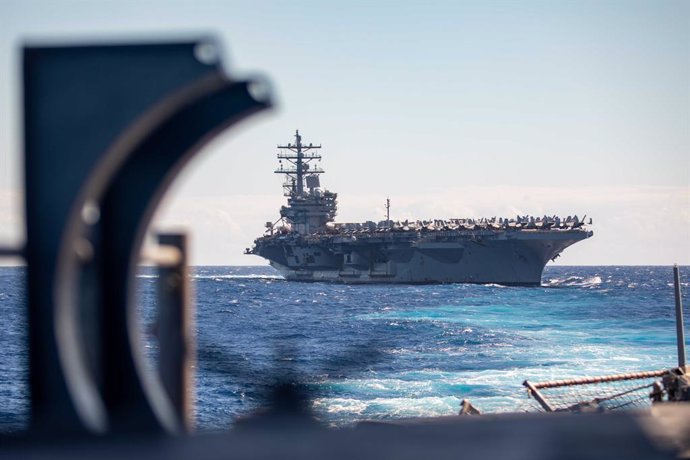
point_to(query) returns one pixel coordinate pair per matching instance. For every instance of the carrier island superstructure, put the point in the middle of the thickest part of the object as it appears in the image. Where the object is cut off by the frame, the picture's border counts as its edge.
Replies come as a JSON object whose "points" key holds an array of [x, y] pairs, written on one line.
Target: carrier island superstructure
{"points": [[305, 244]]}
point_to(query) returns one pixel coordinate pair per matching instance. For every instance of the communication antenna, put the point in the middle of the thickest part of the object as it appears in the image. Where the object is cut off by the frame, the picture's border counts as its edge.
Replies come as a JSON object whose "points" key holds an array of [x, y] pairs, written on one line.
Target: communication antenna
{"points": [[388, 209], [298, 156]]}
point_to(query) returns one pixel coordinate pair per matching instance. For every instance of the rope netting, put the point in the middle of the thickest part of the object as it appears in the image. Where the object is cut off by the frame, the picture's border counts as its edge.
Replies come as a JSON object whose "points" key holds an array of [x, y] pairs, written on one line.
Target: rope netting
{"points": [[613, 392]]}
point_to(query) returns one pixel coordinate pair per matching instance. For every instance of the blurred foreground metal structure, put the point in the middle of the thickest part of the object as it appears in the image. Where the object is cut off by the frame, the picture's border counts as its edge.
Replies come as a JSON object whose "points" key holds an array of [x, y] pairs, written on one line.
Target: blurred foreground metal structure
{"points": [[680, 328], [176, 329], [106, 129]]}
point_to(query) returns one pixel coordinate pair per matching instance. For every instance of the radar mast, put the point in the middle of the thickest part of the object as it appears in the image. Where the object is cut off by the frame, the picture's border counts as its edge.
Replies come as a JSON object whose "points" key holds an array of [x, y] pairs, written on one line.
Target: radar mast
{"points": [[309, 207], [299, 169]]}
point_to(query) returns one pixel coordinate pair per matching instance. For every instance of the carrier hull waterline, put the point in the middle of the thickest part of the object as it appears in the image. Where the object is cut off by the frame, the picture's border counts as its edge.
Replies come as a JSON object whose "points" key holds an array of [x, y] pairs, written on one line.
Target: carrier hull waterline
{"points": [[309, 246], [494, 258]]}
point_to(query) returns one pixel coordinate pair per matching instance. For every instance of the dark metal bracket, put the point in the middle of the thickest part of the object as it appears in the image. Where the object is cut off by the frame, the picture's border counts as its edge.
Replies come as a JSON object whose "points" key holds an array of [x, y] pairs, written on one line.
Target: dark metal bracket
{"points": [[106, 129]]}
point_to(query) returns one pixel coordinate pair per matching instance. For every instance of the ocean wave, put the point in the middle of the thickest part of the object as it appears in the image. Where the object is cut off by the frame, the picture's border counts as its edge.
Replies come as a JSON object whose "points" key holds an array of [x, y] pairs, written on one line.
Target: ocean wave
{"points": [[251, 276], [380, 385], [340, 405], [574, 281], [428, 384], [354, 409], [431, 406]]}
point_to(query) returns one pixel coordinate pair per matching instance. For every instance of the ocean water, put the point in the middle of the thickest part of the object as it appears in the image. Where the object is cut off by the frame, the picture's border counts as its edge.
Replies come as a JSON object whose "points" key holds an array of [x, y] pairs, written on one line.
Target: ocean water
{"points": [[382, 351]]}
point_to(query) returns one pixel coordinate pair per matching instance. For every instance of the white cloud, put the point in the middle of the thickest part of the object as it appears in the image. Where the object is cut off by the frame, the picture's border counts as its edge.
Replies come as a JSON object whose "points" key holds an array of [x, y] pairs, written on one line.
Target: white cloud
{"points": [[11, 216], [221, 227], [632, 225]]}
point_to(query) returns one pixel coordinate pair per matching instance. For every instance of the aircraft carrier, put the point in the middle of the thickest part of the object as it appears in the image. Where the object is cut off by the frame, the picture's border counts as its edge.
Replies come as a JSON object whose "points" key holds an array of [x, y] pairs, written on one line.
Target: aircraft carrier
{"points": [[305, 244]]}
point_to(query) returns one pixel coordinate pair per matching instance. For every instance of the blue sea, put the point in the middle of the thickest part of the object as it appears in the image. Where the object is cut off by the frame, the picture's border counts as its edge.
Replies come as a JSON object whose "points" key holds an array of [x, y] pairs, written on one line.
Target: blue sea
{"points": [[382, 351]]}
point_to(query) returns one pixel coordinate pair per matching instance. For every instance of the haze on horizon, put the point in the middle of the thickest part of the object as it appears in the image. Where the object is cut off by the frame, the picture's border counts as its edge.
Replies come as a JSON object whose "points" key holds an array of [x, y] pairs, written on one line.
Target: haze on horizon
{"points": [[452, 109]]}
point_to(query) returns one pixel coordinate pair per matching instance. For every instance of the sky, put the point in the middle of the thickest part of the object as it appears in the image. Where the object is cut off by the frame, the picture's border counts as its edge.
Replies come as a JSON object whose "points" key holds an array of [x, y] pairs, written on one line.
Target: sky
{"points": [[450, 108]]}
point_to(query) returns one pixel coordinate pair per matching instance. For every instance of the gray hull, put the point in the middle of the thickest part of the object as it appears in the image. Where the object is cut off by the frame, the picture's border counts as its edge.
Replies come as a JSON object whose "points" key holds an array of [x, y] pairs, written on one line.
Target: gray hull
{"points": [[501, 257]]}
